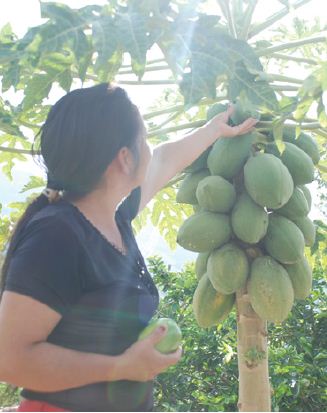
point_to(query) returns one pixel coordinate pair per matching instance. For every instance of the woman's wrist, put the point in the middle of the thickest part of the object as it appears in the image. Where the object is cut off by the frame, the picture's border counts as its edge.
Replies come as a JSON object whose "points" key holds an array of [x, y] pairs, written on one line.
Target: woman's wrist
{"points": [[210, 132], [113, 368]]}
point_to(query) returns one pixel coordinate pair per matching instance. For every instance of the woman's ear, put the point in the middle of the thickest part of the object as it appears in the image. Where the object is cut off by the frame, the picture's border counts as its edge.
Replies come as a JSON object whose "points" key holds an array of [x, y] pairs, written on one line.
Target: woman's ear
{"points": [[125, 160]]}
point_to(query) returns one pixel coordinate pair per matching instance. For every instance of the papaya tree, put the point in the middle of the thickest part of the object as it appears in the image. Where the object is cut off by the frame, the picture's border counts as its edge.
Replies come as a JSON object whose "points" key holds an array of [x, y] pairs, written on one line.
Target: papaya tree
{"points": [[205, 60]]}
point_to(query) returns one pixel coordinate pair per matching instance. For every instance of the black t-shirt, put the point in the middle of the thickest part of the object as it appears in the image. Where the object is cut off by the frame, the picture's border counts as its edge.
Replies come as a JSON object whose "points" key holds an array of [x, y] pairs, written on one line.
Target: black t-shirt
{"points": [[105, 297]]}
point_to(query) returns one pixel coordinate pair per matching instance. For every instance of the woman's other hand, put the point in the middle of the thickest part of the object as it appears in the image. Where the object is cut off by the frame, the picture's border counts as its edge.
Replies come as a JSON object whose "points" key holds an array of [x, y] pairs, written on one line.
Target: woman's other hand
{"points": [[219, 127], [143, 362]]}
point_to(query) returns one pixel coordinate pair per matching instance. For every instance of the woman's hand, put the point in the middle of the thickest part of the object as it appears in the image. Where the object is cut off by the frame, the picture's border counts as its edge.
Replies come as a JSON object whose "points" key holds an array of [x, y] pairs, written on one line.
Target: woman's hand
{"points": [[218, 125], [143, 362]]}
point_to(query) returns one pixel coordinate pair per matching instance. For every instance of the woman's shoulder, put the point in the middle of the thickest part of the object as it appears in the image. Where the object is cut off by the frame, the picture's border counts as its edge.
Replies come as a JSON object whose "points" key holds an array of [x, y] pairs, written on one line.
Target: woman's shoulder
{"points": [[59, 217]]}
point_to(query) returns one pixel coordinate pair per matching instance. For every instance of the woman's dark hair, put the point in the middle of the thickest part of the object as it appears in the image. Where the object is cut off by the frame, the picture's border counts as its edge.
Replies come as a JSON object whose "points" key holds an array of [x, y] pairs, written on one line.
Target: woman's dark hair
{"points": [[81, 136]]}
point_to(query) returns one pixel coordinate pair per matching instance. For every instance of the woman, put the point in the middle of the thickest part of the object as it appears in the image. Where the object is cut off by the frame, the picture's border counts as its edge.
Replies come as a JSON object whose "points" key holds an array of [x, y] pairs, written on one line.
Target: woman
{"points": [[76, 290]]}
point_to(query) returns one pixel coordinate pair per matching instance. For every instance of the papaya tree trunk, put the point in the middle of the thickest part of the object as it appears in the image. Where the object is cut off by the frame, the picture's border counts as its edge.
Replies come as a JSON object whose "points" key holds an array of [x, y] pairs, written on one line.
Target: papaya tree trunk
{"points": [[254, 387]]}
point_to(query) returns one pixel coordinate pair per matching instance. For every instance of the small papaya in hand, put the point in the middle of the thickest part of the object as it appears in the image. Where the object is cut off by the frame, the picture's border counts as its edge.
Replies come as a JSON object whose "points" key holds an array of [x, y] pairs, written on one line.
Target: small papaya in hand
{"points": [[172, 338]]}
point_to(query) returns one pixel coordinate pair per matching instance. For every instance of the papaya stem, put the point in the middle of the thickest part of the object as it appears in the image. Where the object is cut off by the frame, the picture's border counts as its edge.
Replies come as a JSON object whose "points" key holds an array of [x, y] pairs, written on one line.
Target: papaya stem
{"points": [[281, 78], [290, 45], [147, 69], [146, 82], [293, 58], [274, 18], [205, 101], [150, 62], [195, 124], [244, 33]]}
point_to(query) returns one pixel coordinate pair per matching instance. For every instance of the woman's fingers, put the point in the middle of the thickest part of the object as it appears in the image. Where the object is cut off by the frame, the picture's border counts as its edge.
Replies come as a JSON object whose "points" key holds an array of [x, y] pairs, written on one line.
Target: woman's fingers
{"points": [[246, 126]]}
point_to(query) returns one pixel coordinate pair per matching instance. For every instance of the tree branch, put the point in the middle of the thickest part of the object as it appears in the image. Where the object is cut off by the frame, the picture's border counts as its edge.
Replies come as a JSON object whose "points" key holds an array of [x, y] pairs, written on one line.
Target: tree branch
{"points": [[244, 33], [191, 125], [205, 101], [285, 88], [146, 82], [280, 78], [294, 58], [290, 45], [15, 150], [267, 125], [150, 62], [274, 18], [147, 69], [224, 5]]}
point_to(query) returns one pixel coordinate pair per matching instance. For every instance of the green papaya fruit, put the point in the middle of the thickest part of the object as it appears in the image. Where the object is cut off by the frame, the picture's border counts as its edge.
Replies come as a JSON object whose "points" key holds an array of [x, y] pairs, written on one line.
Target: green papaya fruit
{"points": [[296, 207], [215, 109], [228, 155], [187, 190], [199, 163], [209, 306], [243, 111], [297, 162], [307, 228], [201, 264], [172, 338], [300, 274], [270, 289], [228, 268], [268, 181], [215, 194], [304, 142], [284, 241], [204, 231], [249, 220], [307, 194]]}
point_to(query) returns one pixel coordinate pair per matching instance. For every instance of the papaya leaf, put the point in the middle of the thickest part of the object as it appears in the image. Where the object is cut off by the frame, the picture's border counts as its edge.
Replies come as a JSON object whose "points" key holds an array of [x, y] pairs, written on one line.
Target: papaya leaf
{"points": [[107, 71], [278, 127], [140, 221], [105, 40], [258, 92], [303, 108], [171, 215], [322, 113], [37, 89], [132, 33], [58, 66], [34, 182], [11, 76], [8, 160], [6, 34], [7, 122]]}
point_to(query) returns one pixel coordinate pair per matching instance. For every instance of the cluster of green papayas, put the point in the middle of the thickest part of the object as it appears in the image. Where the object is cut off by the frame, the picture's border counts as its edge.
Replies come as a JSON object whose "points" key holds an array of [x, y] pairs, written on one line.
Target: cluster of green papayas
{"points": [[250, 225]]}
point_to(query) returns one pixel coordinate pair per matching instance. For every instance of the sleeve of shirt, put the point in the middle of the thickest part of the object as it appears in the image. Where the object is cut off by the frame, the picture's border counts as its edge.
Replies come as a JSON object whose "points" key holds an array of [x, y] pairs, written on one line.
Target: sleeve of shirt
{"points": [[45, 264], [130, 205]]}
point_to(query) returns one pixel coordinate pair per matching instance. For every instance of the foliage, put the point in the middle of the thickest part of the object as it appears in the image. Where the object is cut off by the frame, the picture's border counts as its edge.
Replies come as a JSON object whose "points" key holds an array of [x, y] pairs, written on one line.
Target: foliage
{"points": [[206, 379]]}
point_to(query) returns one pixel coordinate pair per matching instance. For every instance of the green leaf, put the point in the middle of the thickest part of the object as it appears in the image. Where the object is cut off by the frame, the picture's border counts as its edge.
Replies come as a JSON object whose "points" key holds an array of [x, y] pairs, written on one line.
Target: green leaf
{"points": [[37, 89], [258, 92], [6, 34], [105, 39], [132, 34], [278, 127], [303, 108], [11, 76], [34, 182], [322, 113]]}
